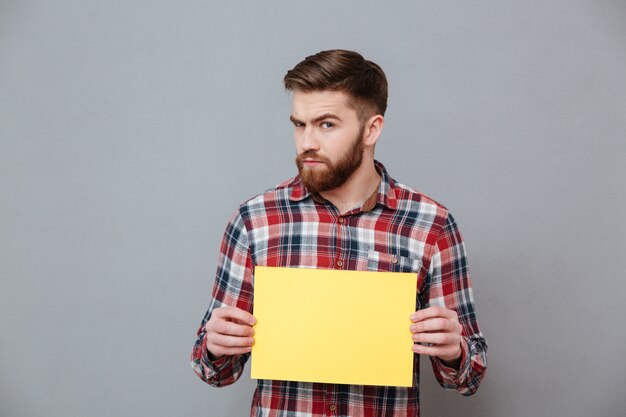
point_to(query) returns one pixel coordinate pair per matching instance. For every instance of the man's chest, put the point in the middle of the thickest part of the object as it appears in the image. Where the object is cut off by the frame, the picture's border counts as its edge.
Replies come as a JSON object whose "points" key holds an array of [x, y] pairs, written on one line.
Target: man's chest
{"points": [[369, 241]]}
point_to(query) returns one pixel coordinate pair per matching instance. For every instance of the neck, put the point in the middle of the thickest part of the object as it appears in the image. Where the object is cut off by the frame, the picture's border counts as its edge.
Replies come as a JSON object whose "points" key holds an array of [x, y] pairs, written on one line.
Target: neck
{"points": [[361, 184]]}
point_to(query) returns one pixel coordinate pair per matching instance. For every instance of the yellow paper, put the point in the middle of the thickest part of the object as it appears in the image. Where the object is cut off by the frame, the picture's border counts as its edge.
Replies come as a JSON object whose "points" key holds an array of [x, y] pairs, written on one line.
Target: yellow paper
{"points": [[344, 327]]}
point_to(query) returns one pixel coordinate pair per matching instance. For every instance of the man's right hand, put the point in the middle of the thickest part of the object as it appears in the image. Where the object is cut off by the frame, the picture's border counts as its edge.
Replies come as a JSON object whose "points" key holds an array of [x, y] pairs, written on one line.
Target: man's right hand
{"points": [[229, 332]]}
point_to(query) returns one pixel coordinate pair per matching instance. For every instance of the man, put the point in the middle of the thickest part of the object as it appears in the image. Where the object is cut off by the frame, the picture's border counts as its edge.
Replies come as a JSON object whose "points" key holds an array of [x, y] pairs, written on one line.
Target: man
{"points": [[343, 211]]}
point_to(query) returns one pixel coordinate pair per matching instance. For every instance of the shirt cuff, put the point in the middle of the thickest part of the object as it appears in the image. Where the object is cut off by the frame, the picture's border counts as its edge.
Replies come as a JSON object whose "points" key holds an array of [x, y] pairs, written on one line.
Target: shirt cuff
{"points": [[456, 376], [213, 367]]}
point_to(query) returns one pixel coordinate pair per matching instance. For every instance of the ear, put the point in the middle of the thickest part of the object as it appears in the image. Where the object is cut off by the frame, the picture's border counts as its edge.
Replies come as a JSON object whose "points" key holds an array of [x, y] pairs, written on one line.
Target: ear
{"points": [[373, 128]]}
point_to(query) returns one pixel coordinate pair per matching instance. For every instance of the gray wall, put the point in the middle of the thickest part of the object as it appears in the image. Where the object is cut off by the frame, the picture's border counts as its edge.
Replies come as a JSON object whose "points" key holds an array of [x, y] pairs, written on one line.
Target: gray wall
{"points": [[129, 132]]}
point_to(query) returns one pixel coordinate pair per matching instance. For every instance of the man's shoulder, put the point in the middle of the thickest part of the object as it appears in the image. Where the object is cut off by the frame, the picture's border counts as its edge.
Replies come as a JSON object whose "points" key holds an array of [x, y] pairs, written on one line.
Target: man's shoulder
{"points": [[413, 200], [281, 192]]}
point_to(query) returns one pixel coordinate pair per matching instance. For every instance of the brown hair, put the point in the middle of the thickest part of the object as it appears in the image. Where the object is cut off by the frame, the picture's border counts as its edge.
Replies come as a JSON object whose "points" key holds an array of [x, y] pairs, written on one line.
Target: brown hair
{"points": [[345, 71]]}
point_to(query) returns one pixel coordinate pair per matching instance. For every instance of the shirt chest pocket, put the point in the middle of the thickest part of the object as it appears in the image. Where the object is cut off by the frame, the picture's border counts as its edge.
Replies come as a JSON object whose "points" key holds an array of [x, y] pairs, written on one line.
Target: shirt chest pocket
{"points": [[387, 262]]}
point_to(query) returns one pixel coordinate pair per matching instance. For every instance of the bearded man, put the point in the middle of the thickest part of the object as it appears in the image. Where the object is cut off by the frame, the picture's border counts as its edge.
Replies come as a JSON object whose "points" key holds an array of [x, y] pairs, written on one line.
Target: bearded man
{"points": [[343, 211]]}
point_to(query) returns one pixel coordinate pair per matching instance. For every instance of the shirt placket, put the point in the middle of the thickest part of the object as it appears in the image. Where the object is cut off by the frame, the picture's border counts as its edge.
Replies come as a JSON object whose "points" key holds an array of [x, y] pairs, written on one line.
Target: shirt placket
{"points": [[341, 257], [330, 402], [340, 262]]}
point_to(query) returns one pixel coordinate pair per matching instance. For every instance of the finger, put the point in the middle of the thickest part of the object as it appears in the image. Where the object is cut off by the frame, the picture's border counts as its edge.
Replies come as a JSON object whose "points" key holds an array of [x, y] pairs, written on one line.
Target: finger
{"points": [[239, 322], [220, 351], [225, 341], [223, 326], [437, 338], [434, 325], [438, 351], [231, 328], [234, 313], [434, 311]]}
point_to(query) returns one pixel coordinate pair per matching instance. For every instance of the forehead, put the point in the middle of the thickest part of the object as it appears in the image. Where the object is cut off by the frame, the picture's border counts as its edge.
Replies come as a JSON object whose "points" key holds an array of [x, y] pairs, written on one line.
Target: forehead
{"points": [[311, 104]]}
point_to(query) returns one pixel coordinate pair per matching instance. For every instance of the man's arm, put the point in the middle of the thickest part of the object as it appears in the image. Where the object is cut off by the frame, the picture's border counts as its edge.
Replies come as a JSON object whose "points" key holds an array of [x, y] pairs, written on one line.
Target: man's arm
{"points": [[447, 325], [225, 335]]}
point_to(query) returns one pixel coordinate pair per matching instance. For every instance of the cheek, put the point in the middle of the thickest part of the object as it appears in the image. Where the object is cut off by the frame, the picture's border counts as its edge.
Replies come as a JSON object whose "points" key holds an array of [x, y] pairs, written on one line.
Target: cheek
{"points": [[337, 147]]}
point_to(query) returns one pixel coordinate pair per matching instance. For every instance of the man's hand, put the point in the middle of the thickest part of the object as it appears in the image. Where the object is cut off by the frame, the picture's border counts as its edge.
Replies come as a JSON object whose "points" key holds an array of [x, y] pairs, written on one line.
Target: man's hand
{"points": [[440, 328], [229, 332]]}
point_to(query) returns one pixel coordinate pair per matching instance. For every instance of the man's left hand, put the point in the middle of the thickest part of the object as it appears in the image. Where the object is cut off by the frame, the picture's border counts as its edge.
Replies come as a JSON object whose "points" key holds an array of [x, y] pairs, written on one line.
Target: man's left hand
{"points": [[440, 328]]}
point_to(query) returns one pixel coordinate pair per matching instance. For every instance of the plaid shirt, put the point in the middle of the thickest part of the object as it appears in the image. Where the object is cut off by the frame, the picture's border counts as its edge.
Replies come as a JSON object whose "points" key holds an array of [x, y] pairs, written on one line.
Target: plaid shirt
{"points": [[396, 229]]}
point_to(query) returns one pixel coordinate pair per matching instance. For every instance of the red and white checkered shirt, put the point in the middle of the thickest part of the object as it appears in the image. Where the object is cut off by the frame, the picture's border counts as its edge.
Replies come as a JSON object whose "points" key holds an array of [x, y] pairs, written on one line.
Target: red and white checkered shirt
{"points": [[396, 229]]}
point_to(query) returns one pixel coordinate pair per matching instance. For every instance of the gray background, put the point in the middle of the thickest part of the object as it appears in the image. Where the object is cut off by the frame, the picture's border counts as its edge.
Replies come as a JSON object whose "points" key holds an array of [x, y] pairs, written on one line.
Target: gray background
{"points": [[130, 131]]}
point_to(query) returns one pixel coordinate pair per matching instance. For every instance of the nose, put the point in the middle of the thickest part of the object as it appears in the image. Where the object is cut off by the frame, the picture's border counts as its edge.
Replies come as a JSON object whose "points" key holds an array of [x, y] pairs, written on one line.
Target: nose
{"points": [[308, 141]]}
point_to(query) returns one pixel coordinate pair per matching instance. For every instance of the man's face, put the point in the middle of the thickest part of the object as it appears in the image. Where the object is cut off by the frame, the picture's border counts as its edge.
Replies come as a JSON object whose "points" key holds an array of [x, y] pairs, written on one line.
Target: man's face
{"points": [[328, 137]]}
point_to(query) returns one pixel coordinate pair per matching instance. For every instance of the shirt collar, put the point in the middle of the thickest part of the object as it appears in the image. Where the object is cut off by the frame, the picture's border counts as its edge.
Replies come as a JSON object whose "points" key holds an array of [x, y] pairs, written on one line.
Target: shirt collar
{"points": [[385, 194]]}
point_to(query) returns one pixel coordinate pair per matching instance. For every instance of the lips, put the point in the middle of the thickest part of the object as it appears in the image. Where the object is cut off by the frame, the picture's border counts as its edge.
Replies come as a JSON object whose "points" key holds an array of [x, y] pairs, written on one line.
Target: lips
{"points": [[312, 162], [309, 160]]}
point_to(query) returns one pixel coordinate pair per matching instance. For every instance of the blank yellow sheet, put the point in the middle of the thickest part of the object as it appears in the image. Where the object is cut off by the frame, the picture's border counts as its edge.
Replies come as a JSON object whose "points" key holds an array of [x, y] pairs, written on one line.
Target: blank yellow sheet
{"points": [[345, 327]]}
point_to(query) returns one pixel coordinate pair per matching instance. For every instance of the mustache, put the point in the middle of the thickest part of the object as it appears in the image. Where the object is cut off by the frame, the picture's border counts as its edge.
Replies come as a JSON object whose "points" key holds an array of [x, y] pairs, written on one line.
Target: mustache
{"points": [[309, 154]]}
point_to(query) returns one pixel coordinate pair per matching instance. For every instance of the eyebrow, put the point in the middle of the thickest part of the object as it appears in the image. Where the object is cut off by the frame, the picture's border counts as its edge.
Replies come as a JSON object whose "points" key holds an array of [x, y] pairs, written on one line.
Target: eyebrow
{"points": [[319, 118]]}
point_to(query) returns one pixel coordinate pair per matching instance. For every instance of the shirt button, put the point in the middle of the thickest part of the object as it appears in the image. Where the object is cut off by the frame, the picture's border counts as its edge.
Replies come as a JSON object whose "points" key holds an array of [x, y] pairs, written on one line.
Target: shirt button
{"points": [[332, 407], [341, 220], [394, 259], [340, 263]]}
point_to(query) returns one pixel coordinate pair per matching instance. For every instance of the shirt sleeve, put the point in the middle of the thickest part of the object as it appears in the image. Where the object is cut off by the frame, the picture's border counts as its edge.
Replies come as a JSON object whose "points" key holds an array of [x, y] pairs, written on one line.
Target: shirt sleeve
{"points": [[450, 287], [232, 287]]}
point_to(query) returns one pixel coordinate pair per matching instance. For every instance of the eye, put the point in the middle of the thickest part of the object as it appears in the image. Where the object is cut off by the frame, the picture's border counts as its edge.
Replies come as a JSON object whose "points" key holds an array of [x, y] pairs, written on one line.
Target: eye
{"points": [[327, 125], [298, 124]]}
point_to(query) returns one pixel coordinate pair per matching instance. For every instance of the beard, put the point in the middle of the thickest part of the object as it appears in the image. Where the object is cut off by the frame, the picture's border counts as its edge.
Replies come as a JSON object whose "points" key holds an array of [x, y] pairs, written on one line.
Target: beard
{"points": [[330, 176]]}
